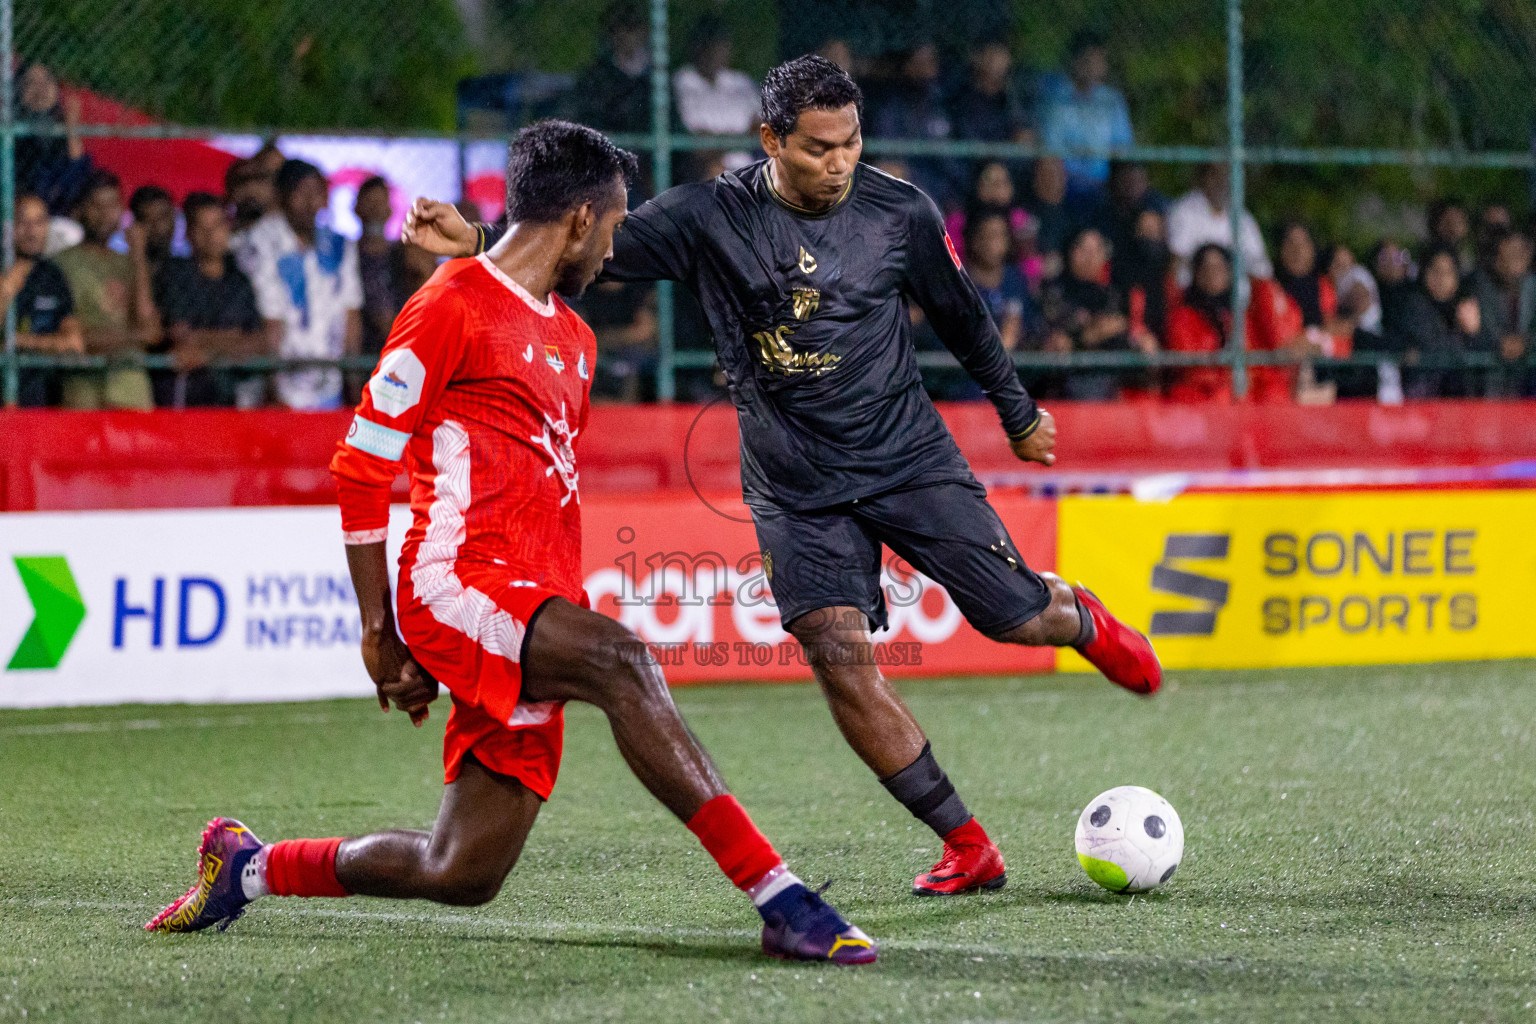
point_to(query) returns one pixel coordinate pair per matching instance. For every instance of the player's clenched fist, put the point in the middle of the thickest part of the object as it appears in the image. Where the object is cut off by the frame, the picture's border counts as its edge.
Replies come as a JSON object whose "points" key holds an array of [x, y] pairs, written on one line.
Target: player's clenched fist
{"points": [[440, 229], [396, 675], [1040, 445]]}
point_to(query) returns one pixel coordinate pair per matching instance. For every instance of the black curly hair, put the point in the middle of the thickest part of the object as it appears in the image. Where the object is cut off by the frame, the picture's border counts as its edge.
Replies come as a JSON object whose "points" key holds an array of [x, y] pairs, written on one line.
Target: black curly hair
{"points": [[555, 166], [806, 83]]}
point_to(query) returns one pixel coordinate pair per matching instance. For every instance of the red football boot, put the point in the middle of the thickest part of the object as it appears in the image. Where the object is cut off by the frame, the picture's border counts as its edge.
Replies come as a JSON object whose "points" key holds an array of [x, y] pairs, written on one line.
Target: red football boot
{"points": [[1123, 654], [971, 862]]}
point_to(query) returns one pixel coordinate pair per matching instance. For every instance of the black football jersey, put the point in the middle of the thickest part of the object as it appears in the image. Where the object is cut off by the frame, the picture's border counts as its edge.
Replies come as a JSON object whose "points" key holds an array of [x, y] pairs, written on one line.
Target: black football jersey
{"points": [[809, 312]]}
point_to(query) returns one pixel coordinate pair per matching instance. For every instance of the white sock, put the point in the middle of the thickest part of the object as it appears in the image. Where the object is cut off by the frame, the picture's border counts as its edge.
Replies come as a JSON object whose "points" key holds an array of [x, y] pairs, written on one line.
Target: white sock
{"points": [[770, 885], [253, 880]]}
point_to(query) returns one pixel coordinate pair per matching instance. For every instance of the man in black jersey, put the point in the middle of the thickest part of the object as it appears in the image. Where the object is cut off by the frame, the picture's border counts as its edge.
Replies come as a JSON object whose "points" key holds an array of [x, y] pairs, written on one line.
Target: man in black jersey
{"points": [[805, 264]]}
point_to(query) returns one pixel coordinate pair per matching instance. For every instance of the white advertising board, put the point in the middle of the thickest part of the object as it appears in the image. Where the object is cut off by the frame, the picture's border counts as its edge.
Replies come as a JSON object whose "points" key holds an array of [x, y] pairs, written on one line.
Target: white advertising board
{"points": [[199, 606]]}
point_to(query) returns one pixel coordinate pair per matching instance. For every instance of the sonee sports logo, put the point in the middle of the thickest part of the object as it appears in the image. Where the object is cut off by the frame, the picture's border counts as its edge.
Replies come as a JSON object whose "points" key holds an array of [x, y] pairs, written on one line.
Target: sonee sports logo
{"points": [[1168, 578], [58, 609]]}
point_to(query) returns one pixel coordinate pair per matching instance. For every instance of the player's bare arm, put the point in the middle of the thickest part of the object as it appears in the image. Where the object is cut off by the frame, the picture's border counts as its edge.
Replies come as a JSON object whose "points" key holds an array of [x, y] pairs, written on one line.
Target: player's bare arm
{"points": [[442, 230], [1039, 445], [395, 674]]}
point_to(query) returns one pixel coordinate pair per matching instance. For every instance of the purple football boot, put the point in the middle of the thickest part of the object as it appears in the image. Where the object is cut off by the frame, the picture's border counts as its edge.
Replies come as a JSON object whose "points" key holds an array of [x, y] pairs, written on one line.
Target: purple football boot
{"points": [[799, 925], [217, 897]]}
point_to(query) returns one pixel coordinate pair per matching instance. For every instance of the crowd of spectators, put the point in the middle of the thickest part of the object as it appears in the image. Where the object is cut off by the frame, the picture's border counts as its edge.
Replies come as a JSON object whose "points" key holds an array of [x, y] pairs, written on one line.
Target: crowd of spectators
{"points": [[1072, 254]]}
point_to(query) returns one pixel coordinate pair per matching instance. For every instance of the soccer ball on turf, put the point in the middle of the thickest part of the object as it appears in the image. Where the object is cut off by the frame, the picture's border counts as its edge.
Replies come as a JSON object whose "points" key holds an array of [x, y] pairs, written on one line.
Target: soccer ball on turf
{"points": [[1129, 839]]}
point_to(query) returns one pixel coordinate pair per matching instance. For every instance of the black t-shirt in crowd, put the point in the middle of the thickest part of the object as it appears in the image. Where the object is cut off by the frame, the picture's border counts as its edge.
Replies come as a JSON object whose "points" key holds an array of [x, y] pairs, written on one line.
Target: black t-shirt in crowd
{"points": [[185, 296], [809, 313], [44, 300], [41, 306]]}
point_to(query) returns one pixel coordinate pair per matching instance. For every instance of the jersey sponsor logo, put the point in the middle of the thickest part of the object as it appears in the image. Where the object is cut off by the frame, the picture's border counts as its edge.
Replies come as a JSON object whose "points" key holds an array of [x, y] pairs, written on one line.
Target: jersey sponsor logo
{"points": [[581, 366], [950, 245], [780, 357], [807, 262], [552, 357], [397, 384], [528, 352], [557, 440], [806, 300]]}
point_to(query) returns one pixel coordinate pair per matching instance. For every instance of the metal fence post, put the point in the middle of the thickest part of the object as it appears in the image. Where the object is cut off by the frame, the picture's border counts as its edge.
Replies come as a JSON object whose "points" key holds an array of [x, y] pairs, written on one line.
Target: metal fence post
{"points": [[661, 155], [12, 386], [1236, 198]]}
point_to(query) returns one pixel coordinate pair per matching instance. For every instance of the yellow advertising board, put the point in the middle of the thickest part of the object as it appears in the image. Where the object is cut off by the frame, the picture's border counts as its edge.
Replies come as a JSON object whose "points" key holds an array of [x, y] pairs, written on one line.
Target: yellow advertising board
{"points": [[1255, 581]]}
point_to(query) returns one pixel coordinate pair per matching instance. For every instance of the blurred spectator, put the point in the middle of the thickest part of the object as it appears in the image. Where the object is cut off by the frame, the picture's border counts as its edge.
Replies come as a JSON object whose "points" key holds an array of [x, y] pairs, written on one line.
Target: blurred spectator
{"points": [[1438, 322], [113, 300], [895, 166], [1358, 296], [1202, 322], [45, 311], [48, 166], [376, 264], [1392, 266], [992, 264], [250, 191], [1054, 220], [614, 93], [985, 107], [1128, 192], [1080, 112], [307, 286], [1326, 331], [1312, 290], [712, 97], [623, 317], [1201, 216], [1141, 271], [1450, 228], [912, 107], [1505, 290], [154, 211], [1084, 314], [1493, 221], [62, 233], [993, 190], [208, 308], [838, 52]]}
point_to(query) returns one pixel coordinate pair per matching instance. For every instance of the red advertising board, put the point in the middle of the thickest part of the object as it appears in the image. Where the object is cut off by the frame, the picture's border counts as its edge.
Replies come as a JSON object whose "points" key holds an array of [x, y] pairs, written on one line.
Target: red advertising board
{"points": [[686, 576]]}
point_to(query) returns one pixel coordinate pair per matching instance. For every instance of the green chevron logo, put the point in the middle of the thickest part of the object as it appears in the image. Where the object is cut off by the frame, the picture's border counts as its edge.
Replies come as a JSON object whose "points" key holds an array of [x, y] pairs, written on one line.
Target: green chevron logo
{"points": [[59, 607]]}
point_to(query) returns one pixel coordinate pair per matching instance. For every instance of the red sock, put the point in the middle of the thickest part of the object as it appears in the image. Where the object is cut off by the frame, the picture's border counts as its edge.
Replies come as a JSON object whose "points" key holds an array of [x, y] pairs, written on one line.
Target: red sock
{"points": [[304, 867], [969, 834], [743, 853]]}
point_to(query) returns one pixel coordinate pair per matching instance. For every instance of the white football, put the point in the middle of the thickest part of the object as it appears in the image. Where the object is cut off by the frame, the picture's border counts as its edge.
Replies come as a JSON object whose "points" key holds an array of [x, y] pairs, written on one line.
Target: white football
{"points": [[1129, 839]]}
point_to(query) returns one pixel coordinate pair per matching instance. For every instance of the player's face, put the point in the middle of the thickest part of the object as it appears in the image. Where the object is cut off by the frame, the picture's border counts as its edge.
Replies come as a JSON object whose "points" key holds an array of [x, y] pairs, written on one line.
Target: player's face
{"points": [[818, 157], [591, 241]]}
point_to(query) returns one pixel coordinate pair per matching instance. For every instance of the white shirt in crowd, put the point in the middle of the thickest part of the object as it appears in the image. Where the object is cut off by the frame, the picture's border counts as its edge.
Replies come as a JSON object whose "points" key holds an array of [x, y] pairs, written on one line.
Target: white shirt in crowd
{"points": [[727, 106], [311, 291], [1192, 222]]}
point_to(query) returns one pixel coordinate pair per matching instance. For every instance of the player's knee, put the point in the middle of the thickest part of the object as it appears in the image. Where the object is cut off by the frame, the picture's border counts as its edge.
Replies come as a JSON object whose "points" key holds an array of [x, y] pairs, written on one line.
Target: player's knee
{"points": [[621, 669], [1057, 624], [464, 885]]}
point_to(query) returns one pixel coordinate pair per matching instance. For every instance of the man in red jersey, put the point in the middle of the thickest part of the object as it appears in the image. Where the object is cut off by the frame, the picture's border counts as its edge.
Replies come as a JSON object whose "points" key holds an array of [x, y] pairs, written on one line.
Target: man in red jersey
{"points": [[481, 392]]}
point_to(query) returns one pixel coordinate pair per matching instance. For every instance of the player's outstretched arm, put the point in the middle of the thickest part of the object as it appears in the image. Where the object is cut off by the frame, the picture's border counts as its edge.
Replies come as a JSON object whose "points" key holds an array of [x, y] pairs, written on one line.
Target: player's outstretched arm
{"points": [[944, 291], [442, 230], [395, 674], [1039, 445]]}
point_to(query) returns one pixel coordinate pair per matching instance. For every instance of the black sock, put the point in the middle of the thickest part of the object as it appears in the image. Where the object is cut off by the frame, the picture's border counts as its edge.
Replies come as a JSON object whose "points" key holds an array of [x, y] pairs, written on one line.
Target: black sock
{"points": [[1085, 631], [924, 789]]}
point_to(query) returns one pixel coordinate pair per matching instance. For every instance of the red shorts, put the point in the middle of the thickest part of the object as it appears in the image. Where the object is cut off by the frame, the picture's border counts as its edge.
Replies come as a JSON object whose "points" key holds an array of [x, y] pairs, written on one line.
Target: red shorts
{"points": [[466, 624]]}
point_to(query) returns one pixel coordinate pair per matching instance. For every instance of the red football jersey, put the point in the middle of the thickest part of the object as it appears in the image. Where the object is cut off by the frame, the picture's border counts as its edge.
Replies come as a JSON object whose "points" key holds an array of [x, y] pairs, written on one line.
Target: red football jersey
{"points": [[481, 392]]}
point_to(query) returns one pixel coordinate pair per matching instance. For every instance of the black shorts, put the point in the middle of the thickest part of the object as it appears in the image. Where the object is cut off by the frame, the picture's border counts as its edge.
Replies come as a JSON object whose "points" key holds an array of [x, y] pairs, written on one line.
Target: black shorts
{"points": [[830, 557]]}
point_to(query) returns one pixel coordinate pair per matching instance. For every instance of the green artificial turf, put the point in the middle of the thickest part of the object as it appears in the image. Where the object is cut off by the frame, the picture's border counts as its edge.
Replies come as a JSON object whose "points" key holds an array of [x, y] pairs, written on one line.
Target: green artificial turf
{"points": [[1360, 847]]}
